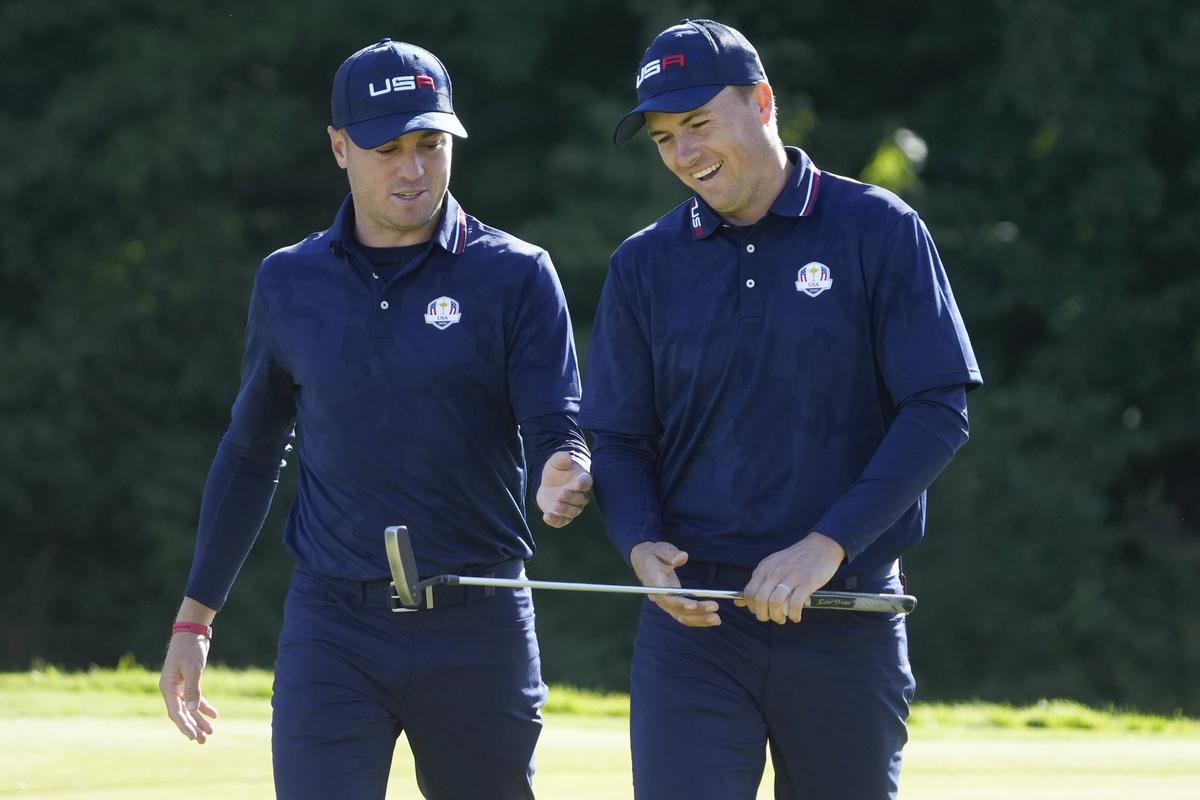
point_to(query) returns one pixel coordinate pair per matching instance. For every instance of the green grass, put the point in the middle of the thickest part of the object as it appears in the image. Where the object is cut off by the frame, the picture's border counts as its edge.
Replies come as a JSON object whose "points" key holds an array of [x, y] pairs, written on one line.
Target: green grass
{"points": [[104, 734], [1047, 715]]}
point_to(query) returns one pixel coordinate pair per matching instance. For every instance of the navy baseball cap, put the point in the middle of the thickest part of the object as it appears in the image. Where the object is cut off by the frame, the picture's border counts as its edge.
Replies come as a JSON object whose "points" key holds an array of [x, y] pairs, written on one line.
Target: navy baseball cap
{"points": [[687, 65], [389, 89]]}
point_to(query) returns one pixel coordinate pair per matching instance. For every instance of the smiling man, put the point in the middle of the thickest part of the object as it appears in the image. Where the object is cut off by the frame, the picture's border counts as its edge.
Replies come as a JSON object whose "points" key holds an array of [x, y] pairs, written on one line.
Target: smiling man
{"points": [[424, 362], [777, 373]]}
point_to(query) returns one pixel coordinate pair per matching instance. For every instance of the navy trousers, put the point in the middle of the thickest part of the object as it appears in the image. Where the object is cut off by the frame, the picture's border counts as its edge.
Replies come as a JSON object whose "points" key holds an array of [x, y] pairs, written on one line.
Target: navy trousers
{"points": [[829, 696], [463, 682]]}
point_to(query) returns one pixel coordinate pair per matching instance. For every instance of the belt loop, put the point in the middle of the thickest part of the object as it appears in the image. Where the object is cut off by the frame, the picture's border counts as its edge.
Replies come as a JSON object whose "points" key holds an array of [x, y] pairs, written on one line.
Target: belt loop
{"points": [[472, 596], [711, 579], [851, 583]]}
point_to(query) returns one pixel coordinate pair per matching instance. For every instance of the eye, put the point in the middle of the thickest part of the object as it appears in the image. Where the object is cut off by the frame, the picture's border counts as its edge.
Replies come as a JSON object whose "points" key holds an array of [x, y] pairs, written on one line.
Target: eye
{"points": [[699, 124]]}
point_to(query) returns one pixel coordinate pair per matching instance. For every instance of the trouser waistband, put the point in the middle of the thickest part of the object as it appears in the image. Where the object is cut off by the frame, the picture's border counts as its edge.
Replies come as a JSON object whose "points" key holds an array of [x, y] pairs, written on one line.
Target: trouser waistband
{"points": [[379, 592]]}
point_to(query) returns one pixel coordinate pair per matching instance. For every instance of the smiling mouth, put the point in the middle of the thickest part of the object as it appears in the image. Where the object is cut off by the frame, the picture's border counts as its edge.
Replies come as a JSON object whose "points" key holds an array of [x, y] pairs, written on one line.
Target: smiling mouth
{"points": [[409, 195], [707, 172]]}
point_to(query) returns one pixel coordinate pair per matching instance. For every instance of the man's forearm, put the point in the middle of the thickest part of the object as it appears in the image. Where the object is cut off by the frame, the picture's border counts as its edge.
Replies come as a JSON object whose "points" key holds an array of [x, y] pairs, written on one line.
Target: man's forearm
{"points": [[920, 443], [626, 492], [237, 496]]}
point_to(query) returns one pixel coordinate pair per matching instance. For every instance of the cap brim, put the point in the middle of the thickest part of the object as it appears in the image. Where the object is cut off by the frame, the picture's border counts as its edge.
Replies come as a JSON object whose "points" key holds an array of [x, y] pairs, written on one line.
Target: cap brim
{"points": [[371, 133], [674, 102]]}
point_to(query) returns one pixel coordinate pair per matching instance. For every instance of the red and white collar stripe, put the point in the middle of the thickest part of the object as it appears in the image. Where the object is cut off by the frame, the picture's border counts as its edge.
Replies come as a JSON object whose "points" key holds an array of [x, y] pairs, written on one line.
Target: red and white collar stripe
{"points": [[458, 240], [814, 183]]}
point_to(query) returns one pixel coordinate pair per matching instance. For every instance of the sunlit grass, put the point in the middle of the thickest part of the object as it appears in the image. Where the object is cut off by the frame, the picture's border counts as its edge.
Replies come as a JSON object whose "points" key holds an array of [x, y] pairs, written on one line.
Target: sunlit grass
{"points": [[1047, 715], [102, 734], [48, 691]]}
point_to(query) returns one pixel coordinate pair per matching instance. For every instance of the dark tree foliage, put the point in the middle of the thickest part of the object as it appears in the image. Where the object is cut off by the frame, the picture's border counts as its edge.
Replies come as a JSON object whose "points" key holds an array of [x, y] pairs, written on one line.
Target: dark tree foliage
{"points": [[155, 152]]}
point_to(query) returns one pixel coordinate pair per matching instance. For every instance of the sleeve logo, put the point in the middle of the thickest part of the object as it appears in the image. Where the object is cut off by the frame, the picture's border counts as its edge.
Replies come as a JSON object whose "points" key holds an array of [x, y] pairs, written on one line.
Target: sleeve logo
{"points": [[442, 313], [813, 278]]}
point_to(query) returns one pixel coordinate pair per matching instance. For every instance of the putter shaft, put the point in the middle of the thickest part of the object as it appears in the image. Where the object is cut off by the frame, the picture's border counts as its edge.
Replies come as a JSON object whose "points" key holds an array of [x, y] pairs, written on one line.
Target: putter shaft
{"points": [[408, 585], [847, 601]]}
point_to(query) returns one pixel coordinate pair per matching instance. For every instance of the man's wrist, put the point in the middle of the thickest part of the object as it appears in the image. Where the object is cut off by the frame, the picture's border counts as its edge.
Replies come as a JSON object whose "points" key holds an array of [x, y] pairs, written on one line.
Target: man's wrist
{"points": [[630, 554], [198, 628], [829, 544]]}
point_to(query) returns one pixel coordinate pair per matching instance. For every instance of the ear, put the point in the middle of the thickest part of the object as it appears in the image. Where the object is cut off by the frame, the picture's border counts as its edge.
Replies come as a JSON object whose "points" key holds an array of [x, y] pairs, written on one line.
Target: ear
{"points": [[764, 98], [337, 142]]}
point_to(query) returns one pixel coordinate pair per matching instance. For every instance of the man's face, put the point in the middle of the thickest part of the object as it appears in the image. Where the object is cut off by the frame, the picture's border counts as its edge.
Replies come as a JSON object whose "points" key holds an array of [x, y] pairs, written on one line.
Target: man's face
{"points": [[723, 152], [398, 187]]}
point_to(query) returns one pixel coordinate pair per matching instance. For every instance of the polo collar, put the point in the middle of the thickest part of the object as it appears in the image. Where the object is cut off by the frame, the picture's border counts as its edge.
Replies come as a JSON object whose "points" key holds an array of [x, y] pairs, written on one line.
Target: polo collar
{"points": [[798, 198], [450, 233], [799, 195]]}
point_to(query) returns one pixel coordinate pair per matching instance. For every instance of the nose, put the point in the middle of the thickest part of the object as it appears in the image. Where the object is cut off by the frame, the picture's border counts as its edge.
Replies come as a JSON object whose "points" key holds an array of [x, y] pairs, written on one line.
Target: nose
{"points": [[686, 150], [409, 167]]}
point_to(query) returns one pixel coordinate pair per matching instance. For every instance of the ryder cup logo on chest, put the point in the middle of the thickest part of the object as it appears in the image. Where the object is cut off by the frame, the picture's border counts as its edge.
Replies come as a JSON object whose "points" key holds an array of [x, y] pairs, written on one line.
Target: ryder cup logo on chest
{"points": [[813, 278], [442, 313]]}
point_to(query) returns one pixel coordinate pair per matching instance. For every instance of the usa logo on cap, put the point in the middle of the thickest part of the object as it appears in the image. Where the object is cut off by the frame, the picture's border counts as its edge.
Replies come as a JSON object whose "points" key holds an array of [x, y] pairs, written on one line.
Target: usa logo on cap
{"points": [[658, 65]]}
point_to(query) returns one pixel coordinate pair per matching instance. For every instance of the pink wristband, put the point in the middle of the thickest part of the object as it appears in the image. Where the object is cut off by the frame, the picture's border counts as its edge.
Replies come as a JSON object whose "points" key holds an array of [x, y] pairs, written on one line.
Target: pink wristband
{"points": [[192, 627]]}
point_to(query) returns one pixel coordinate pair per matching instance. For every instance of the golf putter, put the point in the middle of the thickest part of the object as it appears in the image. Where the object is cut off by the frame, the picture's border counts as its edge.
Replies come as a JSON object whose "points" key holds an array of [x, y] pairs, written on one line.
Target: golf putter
{"points": [[409, 585]]}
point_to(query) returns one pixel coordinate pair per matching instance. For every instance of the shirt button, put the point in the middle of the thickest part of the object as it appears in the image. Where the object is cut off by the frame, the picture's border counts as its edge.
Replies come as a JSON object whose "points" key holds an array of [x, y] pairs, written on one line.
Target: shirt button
{"points": [[375, 275], [749, 248], [384, 305], [750, 283]]}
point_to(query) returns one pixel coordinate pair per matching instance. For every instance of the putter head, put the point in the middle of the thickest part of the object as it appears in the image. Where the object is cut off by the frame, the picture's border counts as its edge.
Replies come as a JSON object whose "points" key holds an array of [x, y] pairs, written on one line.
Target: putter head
{"points": [[402, 563]]}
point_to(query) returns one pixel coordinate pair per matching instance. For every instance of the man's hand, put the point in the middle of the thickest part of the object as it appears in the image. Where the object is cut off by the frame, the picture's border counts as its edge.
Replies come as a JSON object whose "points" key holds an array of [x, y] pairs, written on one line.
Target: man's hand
{"points": [[783, 581], [655, 563], [180, 681], [564, 489]]}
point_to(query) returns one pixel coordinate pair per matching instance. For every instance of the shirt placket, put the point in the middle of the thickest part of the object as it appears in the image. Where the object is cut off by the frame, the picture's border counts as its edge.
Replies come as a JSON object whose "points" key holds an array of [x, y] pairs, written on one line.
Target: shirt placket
{"points": [[750, 298], [388, 297]]}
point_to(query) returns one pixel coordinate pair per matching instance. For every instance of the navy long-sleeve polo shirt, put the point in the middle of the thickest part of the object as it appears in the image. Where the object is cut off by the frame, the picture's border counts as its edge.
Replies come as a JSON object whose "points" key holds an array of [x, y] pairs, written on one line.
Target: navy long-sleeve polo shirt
{"points": [[742, 381], [405, 393]]}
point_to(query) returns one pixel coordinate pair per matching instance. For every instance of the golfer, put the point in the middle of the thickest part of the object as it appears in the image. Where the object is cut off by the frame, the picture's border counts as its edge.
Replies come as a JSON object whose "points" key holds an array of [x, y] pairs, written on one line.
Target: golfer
{"points": [[424, 363], [777, 372]]}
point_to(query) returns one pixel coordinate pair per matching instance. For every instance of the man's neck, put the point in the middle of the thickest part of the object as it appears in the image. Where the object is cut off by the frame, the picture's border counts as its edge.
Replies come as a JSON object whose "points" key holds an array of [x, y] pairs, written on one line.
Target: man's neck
{"points": [[376, 235], [776, 180]]}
